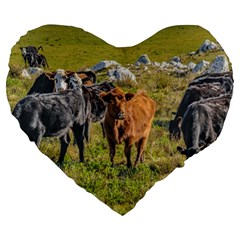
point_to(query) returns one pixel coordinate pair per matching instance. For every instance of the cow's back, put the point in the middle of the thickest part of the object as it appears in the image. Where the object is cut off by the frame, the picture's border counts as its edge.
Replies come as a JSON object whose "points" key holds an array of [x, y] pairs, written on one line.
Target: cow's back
{"points": [[140, 112], [42, 84]]}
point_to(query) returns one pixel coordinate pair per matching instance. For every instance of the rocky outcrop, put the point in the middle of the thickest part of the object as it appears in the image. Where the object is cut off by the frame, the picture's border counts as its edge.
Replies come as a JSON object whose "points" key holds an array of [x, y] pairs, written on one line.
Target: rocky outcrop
{"points": [[207, 46], [104, 65], [122, 74], [144, 59], [201, 66], [31, 72], [219, 65]]}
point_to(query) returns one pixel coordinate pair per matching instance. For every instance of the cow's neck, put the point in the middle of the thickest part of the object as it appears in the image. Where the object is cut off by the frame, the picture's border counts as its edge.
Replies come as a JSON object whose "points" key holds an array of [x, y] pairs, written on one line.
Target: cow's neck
{"points": [[119, 130], [115, 127]]}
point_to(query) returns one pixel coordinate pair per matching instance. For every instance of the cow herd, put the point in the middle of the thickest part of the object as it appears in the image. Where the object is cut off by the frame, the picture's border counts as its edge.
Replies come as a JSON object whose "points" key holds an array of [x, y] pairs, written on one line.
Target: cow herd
{"points": [[61, 101]]}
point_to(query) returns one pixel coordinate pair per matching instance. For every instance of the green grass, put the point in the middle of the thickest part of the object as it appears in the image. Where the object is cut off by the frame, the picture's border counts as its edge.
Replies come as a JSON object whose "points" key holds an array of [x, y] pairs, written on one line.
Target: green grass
{"points": [[72, 48]]}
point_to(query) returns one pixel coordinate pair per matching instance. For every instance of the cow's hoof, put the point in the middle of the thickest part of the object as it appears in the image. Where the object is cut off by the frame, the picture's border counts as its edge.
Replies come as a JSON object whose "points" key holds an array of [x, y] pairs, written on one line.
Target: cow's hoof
{"points": [[59, 164], [180, 149]]}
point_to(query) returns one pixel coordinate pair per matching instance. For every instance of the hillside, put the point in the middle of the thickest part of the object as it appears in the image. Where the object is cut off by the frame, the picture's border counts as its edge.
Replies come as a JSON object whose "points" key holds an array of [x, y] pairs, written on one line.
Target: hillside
{"points": [[73, 48]]}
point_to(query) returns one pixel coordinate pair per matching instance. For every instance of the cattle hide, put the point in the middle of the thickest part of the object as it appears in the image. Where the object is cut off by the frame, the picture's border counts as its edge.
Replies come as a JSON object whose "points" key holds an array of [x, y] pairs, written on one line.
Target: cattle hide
{"points": [[224, 79], [202, 123], [53, 115], [128, 119], [193, 93], [42, 84]]}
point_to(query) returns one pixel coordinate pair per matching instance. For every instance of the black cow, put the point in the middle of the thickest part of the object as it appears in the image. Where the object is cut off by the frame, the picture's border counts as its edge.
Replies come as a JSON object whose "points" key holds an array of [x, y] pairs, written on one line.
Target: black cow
{"points": [[73, 81], [224, 79], [62, 80], [38, 60], [52, 81], [53, 115], [28, 52], [44, 83], [202, 123], [193, 93]]}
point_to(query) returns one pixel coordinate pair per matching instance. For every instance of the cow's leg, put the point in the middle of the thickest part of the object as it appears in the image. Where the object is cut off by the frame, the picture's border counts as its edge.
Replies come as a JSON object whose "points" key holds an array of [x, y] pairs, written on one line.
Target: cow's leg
{"points": [[25, 61], [103, 131], [78, 131], [112, 153], [140, 150], [87, 129], [191, 134], [127, 151], [64, 141]]}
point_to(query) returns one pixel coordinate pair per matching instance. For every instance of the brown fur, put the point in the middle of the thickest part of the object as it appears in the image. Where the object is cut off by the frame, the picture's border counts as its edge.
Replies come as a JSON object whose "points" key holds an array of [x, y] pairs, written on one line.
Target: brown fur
{"points": [[128, 119]]}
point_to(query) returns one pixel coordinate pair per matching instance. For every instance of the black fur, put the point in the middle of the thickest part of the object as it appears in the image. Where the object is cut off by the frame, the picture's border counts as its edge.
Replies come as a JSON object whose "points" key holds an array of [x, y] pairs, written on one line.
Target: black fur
{"points": [[53, 115], [203, 122]]}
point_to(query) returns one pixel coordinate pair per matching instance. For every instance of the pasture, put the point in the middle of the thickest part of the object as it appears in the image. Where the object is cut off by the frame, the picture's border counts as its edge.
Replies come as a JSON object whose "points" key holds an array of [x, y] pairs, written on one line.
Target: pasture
{"points": [[72, 49]]}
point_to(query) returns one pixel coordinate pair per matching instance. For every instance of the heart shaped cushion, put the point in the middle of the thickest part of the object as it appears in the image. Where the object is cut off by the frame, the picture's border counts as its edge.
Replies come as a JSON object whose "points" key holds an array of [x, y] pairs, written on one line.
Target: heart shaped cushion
{"points": [[117, 120]]}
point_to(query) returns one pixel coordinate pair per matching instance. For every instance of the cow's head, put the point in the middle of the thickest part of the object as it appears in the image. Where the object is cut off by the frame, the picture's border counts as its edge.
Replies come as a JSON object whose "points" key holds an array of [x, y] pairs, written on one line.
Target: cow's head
{"points": [[23, 51], [74, 81], [60, 78], [95, 105], [175, 128], [98, 106], [116, 100]]}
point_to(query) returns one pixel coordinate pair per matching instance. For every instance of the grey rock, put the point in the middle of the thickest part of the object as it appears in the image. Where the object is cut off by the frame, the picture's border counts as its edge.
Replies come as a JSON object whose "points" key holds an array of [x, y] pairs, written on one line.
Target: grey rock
{"points": [[144, 59], [220, 64], [191, 65], [201, 66], [207, 46], [176, 59], [121, 74], [31, 72], [104, 64]]}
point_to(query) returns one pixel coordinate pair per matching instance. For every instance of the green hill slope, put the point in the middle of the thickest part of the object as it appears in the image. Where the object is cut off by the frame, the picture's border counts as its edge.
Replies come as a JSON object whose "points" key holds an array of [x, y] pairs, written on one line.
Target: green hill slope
{"points": [[73, 48]]}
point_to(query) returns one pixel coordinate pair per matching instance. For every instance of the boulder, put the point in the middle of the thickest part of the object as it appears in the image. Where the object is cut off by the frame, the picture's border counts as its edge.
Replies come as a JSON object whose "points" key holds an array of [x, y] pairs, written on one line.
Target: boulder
{"points": [[201, 66], [176, 59], [165, 66], [207, 46], [104, 64], [144, 59], [191, 65], [178, 65], [122, 74], [31, 72], [156, 64], [219, 65]]}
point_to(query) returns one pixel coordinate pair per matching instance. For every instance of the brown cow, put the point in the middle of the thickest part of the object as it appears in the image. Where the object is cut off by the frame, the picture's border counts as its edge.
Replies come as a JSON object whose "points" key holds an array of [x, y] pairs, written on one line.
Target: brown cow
{"points": [[128, 119]]}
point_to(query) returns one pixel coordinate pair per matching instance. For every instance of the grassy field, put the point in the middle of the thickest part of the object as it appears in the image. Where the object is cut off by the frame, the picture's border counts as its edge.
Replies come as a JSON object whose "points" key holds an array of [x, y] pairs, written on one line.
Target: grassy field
{"points": [[72, 49]]}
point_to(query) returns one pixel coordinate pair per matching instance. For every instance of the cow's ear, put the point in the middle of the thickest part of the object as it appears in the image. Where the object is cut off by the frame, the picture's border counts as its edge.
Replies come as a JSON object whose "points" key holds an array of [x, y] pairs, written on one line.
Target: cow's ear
{"points": [[106, 97], [51, 75], [69, 73], [179, 121], [129, 96]]}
